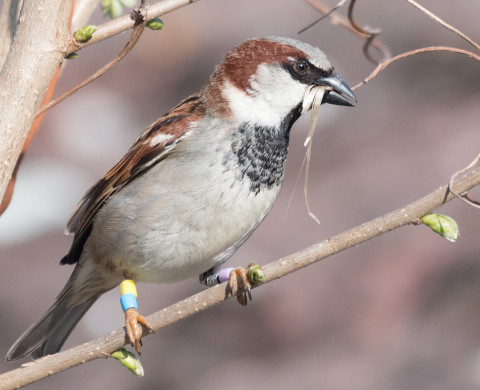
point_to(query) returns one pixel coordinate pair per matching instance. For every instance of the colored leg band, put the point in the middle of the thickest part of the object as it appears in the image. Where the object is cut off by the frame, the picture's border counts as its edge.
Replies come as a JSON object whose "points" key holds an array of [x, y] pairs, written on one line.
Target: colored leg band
{"points": [[128, 301], [128, 287], [224, 275]]}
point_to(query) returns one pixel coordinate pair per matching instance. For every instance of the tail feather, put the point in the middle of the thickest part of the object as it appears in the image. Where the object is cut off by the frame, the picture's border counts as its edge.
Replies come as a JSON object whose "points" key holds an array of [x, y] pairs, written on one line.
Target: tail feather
{"points": [[57, 338], [48, 334]]}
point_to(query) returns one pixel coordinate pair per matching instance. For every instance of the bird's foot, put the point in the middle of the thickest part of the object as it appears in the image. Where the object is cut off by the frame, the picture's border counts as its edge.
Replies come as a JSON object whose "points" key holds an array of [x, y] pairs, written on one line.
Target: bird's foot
{"points": [[239, 285], [133, 322], [240, 281]]}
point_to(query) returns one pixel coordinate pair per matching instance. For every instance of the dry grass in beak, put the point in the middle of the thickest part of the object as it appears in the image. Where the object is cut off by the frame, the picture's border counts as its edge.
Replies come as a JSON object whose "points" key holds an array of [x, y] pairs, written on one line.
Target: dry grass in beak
{"points": [[312, 101]]}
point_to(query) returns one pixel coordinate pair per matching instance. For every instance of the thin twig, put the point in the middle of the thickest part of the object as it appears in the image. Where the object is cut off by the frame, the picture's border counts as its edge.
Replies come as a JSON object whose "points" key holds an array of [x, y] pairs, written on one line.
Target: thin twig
{"points": [[340, 4], [137, 32], [105, 345], [464, 196], [125, 23], [336, 18], [110, 29], [383, 65], [370, 35], [444, 24]]}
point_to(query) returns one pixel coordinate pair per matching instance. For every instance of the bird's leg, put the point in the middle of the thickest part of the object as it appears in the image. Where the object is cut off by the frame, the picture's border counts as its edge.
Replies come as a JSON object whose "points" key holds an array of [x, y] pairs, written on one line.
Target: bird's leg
{"points": [[133, 319], [239, 280]]}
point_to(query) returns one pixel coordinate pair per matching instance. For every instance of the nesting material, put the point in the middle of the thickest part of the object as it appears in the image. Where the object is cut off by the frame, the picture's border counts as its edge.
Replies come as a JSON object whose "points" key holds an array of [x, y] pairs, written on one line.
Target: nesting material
{"points": [[312, 101]]}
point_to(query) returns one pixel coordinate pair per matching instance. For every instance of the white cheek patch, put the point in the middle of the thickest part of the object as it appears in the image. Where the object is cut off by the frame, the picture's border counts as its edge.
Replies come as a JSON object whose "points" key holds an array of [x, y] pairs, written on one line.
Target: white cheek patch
{"points": [[250, 107], [271, 95]]}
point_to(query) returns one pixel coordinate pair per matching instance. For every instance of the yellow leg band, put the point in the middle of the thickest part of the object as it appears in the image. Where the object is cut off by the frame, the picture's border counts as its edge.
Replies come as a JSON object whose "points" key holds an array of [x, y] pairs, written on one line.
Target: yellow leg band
{"points": [[128, 287]]}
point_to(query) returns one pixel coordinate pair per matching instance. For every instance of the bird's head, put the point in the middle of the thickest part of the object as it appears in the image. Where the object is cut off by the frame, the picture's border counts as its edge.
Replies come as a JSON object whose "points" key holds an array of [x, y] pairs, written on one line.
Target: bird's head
{"points": [[266, 80]]}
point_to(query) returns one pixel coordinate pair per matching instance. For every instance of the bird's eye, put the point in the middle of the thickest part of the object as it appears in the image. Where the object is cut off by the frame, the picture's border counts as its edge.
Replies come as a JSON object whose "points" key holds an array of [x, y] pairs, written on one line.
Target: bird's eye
{"points": [[301, 67]]}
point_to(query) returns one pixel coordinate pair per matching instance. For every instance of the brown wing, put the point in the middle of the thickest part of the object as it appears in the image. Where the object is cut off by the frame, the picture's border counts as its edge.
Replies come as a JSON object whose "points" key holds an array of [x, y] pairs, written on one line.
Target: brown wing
{"points": [[149, 149]]}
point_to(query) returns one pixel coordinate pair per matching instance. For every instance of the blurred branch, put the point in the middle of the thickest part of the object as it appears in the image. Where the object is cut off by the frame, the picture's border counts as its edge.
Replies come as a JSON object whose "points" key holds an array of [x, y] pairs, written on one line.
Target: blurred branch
{"points": [[349, 23], [369, 35], [383, 65], [102, 347], [444, 24], [371, 38], [327, 13], [114, 27], [139, 19], [125, 23]]}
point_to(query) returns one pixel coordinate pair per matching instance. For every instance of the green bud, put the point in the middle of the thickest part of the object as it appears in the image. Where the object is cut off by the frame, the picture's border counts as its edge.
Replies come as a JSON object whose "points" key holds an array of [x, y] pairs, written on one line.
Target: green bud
{"points": [[442, 224], [155, 24], [129, 360], [255, 274], [85, 33], [71, 56]]}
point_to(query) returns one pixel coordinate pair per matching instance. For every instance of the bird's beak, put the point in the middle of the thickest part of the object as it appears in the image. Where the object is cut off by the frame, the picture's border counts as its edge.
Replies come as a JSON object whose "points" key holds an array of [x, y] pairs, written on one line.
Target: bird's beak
{"points": [[338, 92]]}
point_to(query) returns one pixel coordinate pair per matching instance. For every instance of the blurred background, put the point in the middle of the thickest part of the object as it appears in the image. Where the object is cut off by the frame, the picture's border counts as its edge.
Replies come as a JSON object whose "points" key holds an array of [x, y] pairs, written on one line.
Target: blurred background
{"points": [[398, 312]]}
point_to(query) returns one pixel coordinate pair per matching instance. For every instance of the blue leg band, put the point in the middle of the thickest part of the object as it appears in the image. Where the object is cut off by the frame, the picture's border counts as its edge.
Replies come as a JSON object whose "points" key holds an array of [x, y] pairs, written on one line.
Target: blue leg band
{"points": [[128, 301]]}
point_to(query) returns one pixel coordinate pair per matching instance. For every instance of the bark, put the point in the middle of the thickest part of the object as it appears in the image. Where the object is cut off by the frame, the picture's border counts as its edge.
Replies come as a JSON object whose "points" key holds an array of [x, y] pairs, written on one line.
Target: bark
{"points": [[39, 45]]}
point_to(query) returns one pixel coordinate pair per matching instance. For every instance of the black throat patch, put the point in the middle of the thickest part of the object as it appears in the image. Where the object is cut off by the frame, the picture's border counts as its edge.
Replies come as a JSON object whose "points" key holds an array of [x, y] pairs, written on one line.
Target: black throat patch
{"points": [[261, 152]]}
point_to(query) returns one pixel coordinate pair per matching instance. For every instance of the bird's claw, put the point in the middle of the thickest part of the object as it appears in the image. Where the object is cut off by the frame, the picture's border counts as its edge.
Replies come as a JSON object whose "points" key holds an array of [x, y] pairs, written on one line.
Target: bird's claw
{"points": [[133, 322], [239, 285]]}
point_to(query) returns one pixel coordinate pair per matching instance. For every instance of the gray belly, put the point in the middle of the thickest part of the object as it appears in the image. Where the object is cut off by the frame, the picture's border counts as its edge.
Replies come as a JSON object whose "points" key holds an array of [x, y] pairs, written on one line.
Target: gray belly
{"points": [[174, 223]]}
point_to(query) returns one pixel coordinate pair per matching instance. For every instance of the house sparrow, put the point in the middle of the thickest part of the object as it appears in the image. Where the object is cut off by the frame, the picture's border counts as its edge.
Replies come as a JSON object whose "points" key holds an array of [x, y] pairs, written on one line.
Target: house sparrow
{"points": [[193, 187]]}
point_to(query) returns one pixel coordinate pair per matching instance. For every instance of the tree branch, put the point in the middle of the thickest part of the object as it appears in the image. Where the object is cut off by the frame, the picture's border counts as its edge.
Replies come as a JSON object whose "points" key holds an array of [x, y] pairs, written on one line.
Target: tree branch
{"points": [[338, 19], [385, 64], [139, 26], [444, 24], [103, 346], [38, 49], [124, 23]]}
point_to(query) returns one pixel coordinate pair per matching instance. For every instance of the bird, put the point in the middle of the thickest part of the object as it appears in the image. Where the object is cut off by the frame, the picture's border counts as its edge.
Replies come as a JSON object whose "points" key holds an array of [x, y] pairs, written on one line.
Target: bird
{"points": [[192, 188]]}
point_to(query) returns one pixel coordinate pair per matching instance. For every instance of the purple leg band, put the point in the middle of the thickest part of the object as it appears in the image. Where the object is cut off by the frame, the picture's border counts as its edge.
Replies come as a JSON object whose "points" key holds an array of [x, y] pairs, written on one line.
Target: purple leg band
{"points": [[224, 274]]}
